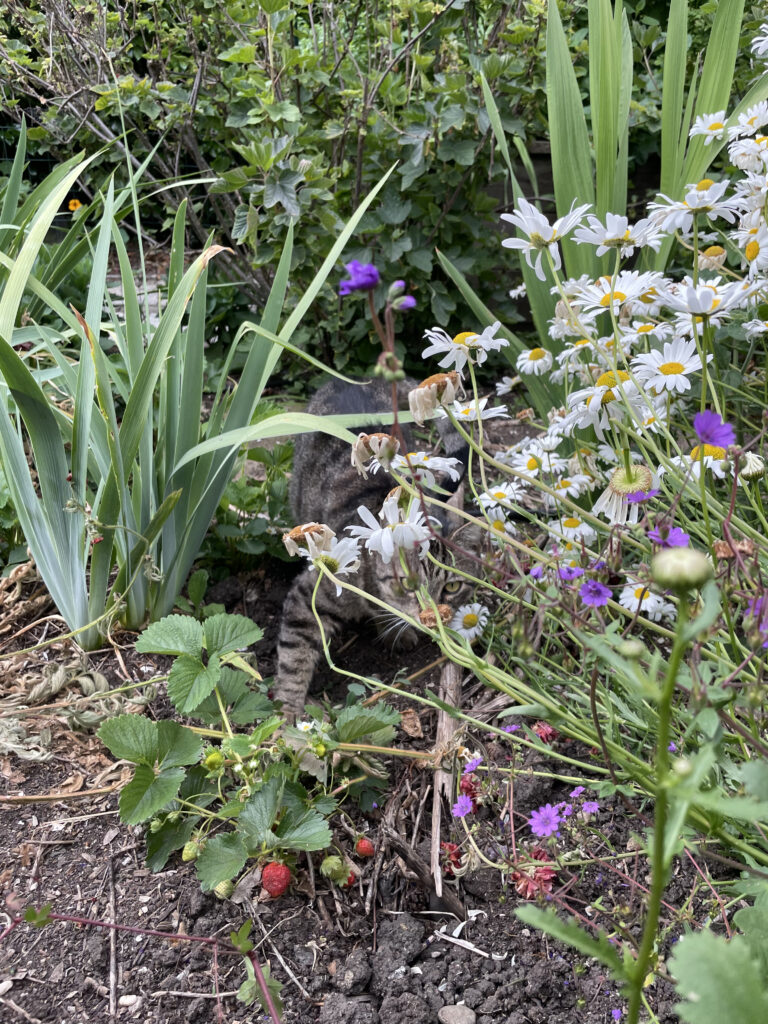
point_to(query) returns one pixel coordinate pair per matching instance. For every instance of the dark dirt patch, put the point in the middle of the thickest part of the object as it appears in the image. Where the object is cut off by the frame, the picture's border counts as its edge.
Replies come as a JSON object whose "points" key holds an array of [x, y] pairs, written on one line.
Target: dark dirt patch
{"points": [[339, 963]]}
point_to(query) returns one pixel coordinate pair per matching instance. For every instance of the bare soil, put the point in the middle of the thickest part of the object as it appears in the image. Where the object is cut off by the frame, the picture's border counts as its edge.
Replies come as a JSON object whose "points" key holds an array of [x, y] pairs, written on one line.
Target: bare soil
{"points": [[373, 954]]}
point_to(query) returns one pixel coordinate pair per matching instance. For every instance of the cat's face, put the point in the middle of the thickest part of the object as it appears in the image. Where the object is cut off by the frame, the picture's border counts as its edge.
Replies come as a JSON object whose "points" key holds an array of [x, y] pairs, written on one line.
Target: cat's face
{"points": [[415, 586]]}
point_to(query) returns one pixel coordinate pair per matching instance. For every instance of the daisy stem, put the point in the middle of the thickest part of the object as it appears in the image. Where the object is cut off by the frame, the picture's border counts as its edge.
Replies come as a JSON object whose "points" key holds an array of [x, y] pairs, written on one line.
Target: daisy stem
{"points": [[658, 856], [695, 251], [708, 347], [478, 414]]}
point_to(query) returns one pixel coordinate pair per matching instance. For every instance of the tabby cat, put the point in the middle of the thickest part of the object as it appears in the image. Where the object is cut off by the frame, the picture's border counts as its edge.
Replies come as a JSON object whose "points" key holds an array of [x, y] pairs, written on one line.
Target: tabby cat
{"points": [[326, 488]]}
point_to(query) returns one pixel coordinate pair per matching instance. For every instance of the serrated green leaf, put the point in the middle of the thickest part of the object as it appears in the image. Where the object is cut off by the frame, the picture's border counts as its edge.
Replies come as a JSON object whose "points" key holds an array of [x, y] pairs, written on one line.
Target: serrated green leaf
{"points": [[147, 793], [754, 775], [176, 745], [307, 832], [171, 837], [222, 859], [226, 633], [131, 738], [572, 934], [175, 634], [753, 922], [355, 722], [258, 816], [718, 981], [190, 682]]}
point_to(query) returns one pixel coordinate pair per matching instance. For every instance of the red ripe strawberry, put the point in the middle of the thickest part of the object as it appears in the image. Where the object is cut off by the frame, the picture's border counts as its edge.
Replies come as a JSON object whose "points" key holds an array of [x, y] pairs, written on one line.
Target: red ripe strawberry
{"points": [[351, 878], [276, 878], [364, 847]]}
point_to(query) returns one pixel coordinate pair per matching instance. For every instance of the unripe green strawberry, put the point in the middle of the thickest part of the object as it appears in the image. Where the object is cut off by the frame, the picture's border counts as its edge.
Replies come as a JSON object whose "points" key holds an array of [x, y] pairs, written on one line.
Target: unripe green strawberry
{"points": [[214, 761], [191, 851], [364, 847], [276, 878], [224, 889]]}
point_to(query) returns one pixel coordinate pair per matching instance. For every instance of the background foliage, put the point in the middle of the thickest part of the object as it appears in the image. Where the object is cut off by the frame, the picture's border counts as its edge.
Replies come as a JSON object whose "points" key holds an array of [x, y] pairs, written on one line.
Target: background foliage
{"points": [[292, 109]]}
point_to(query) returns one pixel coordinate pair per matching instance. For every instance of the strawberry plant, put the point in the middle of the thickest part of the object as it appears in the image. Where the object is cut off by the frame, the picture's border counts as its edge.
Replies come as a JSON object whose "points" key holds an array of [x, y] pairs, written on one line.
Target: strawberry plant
{"points": [[225, 797]]}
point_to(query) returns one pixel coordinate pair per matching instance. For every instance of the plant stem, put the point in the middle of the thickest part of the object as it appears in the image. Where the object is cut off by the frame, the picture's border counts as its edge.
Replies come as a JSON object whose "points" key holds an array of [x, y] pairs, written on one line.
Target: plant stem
{"points": [[658, 865]]}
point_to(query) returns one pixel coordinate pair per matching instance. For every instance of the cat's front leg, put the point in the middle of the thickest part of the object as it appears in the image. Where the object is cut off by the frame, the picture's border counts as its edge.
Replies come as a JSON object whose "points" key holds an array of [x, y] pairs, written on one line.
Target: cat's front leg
{"points": [[299, 645]]}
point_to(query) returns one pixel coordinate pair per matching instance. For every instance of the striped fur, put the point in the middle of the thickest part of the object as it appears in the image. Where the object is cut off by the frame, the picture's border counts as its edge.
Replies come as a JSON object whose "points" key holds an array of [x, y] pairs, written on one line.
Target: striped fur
{"points": [[326, 488]]}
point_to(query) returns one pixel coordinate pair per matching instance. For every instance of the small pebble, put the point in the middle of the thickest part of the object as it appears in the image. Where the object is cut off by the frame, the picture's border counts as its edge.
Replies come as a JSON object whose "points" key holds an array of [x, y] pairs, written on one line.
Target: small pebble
{"points": [[456, 1015]]}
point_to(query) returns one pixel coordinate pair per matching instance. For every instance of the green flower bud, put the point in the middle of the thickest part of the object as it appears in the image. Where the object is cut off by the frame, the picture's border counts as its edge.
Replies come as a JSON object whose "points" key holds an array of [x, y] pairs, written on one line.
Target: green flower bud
{"points": [[680, 569]]}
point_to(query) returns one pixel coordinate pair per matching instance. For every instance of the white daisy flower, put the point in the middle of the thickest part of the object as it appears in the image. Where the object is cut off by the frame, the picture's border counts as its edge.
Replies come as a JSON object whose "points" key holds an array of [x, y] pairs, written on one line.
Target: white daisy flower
{"points": [[501, 525], [709, 456], [426, 397], [607, 292], [540, 233], [712, 258], [614, 502], [755, 255], [749, 154], [755, 328], [571, 528], [535, 458], [507, 493], [468, 411], [340, 557], [668, 370], [759, 44], [534, 361], [703, 197], [637, 598], [572, 486], [468, 346], [749, 121], [517, 293], [505, 385], [711, 126], [410, 532], [642, 330], [421, 467], [470, 620], [617, 233]]}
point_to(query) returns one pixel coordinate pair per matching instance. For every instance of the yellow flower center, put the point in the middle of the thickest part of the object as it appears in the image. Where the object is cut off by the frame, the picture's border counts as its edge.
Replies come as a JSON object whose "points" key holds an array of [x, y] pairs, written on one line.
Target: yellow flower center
{"points": [[499, 525], [536, 353], [571, 523], [464, 337], [533, 463], [752, 250], [611, 377], [645, 328], [564, 483], [615, 297], [716, 126], [670, 369], [469, 621], [581, 341], [705, 183], [648, 297], [499, 494], [640, 591], [714, 251], [701, 451], [608, 397]]}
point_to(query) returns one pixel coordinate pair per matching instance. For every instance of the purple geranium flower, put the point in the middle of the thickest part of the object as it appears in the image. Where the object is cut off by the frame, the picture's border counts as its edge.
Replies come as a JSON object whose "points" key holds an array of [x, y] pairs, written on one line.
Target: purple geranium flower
{"points": [[712, 429], [511, 728], [638, 497], [590, 807], [669, 536], [362, 277], [576, 792], [672, 748], [594, 594], [404, 302], [471, 765], [544, 821], [537, 572], [570, 572], [462, 806], [616, 1014]]}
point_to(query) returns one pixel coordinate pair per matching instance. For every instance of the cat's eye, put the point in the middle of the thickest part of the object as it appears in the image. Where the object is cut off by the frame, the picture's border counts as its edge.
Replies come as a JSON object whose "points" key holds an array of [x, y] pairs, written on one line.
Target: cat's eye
{"points": [[452, 586], [410, 583]]}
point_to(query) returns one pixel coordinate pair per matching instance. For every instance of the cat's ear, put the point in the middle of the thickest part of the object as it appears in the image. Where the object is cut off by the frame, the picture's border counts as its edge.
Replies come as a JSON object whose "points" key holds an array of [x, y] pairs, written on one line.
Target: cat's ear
{"points": [[469, 537]]}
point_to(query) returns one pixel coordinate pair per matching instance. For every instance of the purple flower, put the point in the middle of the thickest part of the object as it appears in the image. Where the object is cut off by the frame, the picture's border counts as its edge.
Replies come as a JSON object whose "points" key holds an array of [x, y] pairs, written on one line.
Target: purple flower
{"points": [[590, 807], [362, 278], [537, 572], [669, 536], [404, 302], [511, 728], [616, 1014], [638, 497], [672, 748], [564, 810], [544, 821], [471, 765], [462, 806], [712, 429], [570, 572], [576, 792], [594, 594]]}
